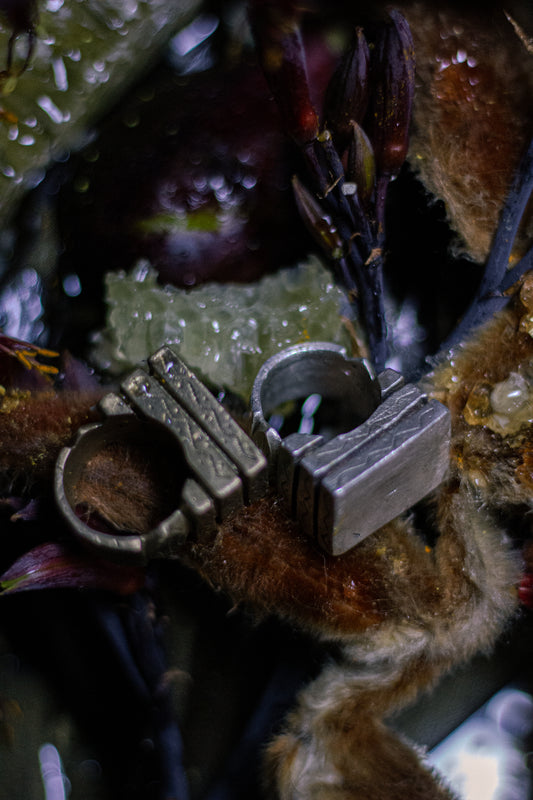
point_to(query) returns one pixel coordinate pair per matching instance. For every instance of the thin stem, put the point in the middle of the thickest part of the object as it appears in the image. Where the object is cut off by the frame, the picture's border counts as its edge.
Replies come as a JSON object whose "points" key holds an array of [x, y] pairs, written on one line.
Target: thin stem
{"points": [[348, 204], [510, 219], [149, 653], [370, 286], [137, 643], [496, 279], [514, 274], [361, 270], [382, 185]]}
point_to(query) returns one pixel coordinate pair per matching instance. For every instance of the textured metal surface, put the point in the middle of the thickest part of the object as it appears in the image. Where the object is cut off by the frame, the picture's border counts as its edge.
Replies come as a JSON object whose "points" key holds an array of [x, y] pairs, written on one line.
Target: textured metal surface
{"points": [[343, 489], [205, 460], [128, 549], [340, 489], [385, 476], [182, 384], [220, 465], [302, 370], [293, 448]]}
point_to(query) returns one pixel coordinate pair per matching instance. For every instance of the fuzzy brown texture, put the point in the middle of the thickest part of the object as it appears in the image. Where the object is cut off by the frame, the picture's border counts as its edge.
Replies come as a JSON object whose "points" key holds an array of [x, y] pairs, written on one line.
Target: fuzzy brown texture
{"points": [[261, 559], [390, 580], [368, 762], [130, 487], [501, 467], [472, 116], [335, 744], [399, 612], [34, 426]]}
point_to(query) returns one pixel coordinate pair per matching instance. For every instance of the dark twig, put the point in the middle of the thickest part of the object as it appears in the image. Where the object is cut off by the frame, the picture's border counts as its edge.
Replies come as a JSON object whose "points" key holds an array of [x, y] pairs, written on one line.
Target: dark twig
{"points": [[511, 216], [137, 642], [513, 275], [496, 279], [148, 650], [298, 663], [345, 211]]}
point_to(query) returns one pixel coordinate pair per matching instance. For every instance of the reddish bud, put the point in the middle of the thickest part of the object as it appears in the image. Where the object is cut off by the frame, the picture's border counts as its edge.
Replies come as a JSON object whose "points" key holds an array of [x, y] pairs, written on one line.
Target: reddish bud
{"points": [[347, 93], [275, 26], [392, 90], [525, 590]]}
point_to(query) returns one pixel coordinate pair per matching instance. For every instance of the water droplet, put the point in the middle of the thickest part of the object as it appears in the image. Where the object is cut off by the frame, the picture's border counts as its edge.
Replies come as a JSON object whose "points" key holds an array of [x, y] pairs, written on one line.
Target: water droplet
{"points": [[141, 388], [81, 184], [60, 74], [478, 406], [72, 285], [249, 181], [51, 109], [510, 395], [216, 182]]}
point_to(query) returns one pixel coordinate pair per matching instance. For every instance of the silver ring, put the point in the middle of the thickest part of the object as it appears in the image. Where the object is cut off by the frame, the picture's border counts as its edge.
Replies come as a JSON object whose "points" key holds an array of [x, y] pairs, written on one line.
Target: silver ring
{"points": [[304, 369], [126, 548], [216, 466], [393, 452]]}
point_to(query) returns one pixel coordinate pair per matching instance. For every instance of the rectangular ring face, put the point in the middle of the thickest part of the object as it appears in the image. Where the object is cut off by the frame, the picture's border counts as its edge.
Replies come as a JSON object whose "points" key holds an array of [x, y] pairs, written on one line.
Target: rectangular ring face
{"points": [[389, 475], [190, 393], [205, 460], [351, 453]]}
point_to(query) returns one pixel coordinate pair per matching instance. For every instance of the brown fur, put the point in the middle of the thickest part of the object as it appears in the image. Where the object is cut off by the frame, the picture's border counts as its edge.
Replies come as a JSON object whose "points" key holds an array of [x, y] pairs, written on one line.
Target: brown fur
{"points": [[128, 487], [499, 466], [34, 426], [471, 121], [335, 744], [399, 612], [402, 613]]}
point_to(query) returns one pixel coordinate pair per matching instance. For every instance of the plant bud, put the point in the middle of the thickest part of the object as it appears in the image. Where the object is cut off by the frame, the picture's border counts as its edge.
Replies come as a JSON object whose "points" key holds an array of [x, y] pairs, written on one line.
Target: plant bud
{"points": [[275, 27], [317, 221], [392, 90], [361, 167], [347, 93]]}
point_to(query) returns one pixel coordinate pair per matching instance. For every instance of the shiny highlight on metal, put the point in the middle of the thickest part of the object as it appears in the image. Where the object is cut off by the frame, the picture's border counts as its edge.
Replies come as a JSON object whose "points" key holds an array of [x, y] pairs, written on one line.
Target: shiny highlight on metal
{"points": [[224, 468], [389, 447], [346, 488]]}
